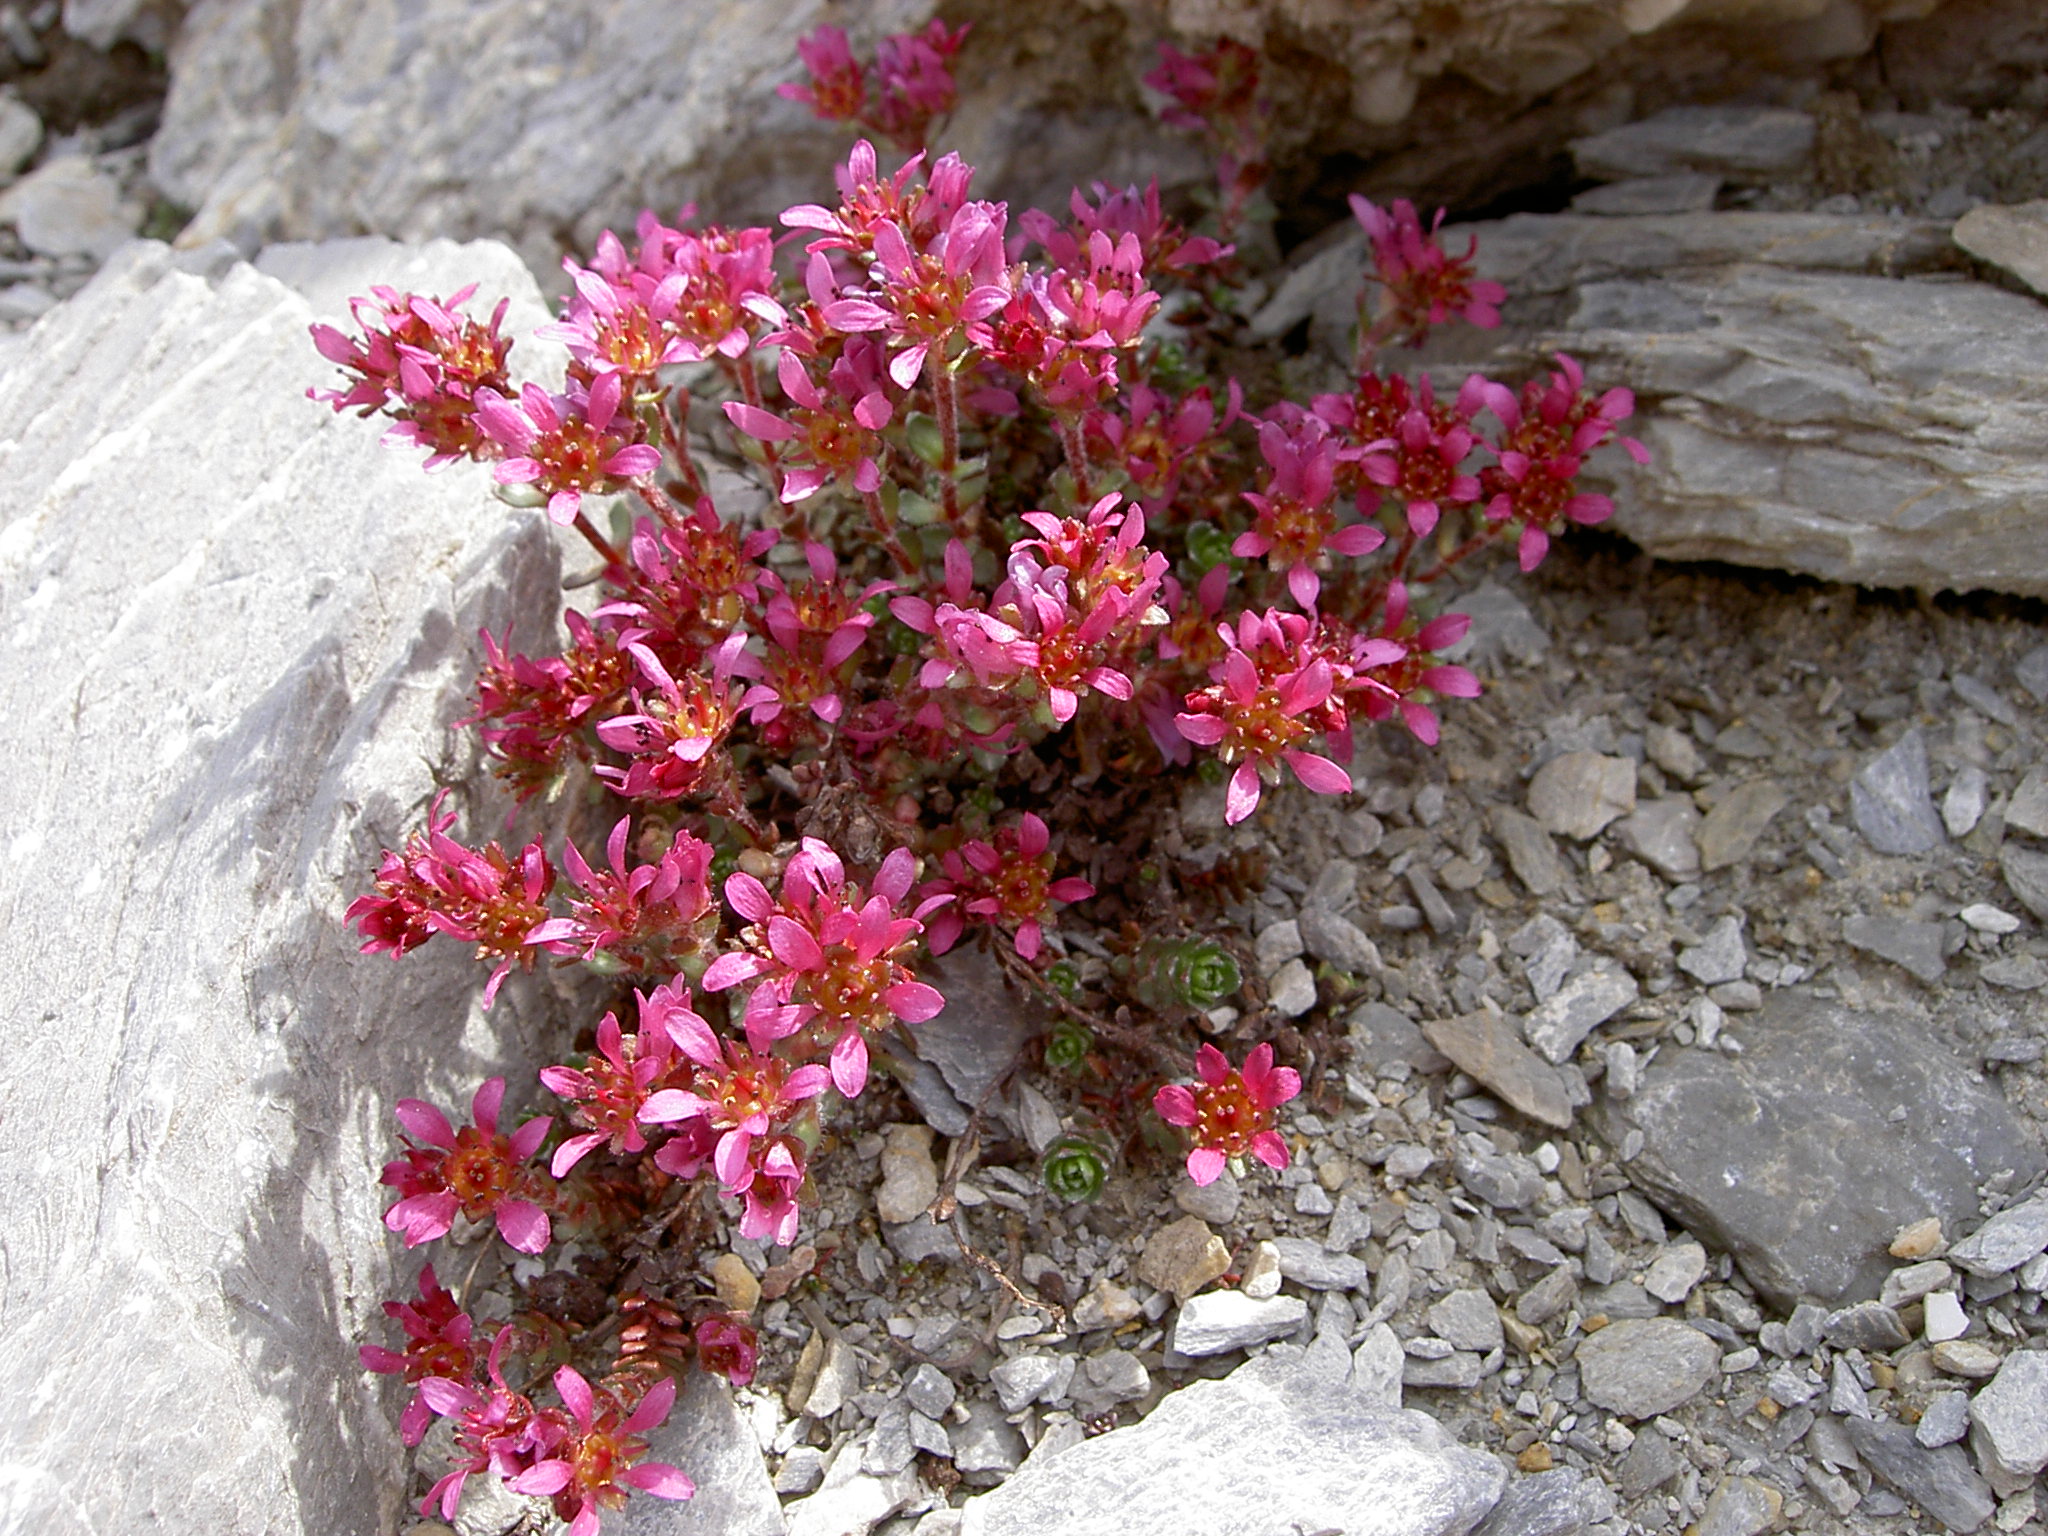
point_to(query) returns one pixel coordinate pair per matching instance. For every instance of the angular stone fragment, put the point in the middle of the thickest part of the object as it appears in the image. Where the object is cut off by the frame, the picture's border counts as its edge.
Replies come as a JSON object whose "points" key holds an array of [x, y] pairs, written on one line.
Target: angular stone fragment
{"points": [[1642, 1367], [1741, 1506], [1484, 1044], [1942, 1482], [2027, 810], [1531, 854], [1467, 1320], [1340, 942], [1217, 1322], [1555, 1026], [1912, 946], [1892, 801], [910, 1180], [2026, 876], [2014, 237], [1718, 957], [1311, 1264], [1271, 1447], [976, 1038], [1805, 1154], [1577, 794], [1183, 1257], [2007, 1240], [1731, 829], [1675, 1271], [1662, 833], [2011, 1412], [1379, 1035]]}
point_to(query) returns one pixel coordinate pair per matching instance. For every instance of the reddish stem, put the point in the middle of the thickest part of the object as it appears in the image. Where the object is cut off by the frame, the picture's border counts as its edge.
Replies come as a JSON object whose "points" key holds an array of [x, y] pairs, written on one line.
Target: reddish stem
{"points": [[1077, 458], [946, 406], [598, 541], [879, 516]]}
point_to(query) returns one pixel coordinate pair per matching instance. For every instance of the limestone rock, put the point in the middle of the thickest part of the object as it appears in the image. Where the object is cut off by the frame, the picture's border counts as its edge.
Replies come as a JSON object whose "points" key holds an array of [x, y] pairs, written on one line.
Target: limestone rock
{"points": [[1795, 1157], [1750, 143], [707, 1436], [1642, 1367], [1485, 1045], [2015, 238], [68, 207], [1810, 402], [1271, 1447], [241, 628]]}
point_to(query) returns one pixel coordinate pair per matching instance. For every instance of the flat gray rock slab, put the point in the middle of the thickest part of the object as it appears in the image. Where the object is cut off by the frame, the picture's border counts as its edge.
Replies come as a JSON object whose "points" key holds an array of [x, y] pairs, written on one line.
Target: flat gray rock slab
{"points": [[1486, 1045], [1942, 1482], [2012, 236], [1789, 1156], [1820, 408], [241, 628], [1892, 801], [2007, 1240], [1271, 1447], [706, 1435], [1642, 1367]]}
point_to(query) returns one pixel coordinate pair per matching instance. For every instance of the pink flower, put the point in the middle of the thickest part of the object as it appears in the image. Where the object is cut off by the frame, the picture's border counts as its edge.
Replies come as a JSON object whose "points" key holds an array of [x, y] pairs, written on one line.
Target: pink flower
{"points": [[1267, 701], [1424, 284], [639, 917], [474, 1172], [671, 738], [1297, 519], [838, 87], [426, 364], [815, 630], [1423, 464], [531, 712], [497, 1431], [439, 1341], [565, 445], [1547, 434], [828, 953], [1164, 244], [729, 283], [925, 296], [611, 1093], [600, 1456], [1405, 680], [1160, 444], [1230, 1111], [1007, 883], [729, 1347], [742, 1093], [479, 896], [825, 437]]}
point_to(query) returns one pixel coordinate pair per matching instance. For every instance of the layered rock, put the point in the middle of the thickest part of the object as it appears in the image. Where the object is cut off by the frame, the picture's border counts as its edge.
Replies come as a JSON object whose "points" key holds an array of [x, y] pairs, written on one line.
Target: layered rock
{"points": [[239, 630]]}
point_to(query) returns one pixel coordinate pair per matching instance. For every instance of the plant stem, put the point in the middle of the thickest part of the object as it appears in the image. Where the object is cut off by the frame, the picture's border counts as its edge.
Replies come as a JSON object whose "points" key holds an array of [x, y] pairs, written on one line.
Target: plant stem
{"points": [[598, 541], [1486, 534], [1077, 459], [946, 406], [673, 439], [877, 515]]}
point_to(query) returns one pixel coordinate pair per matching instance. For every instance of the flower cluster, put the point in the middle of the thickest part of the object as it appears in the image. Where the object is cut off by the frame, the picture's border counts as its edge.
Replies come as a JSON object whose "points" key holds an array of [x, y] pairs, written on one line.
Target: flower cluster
{"points": [[901, 95], [1021, 543]]}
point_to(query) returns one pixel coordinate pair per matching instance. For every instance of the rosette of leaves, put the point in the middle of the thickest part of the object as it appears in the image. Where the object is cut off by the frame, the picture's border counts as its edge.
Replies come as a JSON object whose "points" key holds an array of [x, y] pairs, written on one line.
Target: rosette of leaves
{"points": [[1074, 1168], [1195, 973], [1068, 1045]]}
